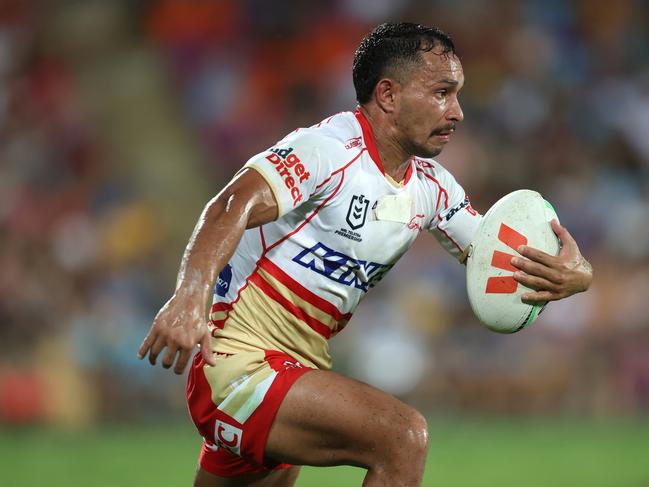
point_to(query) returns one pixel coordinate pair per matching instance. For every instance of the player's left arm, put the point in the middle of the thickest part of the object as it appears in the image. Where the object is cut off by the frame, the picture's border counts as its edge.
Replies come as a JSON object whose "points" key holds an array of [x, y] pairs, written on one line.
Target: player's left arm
{"points": [[553, 277], [455, 224]]}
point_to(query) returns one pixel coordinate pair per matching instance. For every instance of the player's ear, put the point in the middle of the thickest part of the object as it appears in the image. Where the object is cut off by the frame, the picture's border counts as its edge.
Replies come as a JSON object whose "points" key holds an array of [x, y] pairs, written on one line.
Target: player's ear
{"points": [[386, 92]]}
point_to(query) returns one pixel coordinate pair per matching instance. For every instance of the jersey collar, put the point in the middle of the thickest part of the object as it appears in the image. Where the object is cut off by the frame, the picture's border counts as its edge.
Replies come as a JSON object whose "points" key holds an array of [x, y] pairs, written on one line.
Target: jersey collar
{"points": [[370, 143]]}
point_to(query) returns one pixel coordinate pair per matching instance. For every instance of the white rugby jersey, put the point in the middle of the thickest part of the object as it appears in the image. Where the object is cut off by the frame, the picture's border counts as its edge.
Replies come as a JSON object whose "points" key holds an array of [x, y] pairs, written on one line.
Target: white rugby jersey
{"points": [[343, 223]]}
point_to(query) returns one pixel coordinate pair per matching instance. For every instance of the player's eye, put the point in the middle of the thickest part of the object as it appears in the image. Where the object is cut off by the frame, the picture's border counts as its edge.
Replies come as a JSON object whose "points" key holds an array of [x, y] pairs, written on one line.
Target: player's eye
{"points": [[442, 93]]}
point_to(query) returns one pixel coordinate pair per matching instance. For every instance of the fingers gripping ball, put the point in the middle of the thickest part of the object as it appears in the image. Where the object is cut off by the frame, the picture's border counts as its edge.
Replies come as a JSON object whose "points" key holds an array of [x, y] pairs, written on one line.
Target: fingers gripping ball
{"points": [[519, 218]]}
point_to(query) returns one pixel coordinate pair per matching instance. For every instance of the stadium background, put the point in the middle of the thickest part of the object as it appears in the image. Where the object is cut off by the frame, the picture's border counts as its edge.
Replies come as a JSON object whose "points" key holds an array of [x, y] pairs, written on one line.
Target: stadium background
{"points": [[120, 119]]}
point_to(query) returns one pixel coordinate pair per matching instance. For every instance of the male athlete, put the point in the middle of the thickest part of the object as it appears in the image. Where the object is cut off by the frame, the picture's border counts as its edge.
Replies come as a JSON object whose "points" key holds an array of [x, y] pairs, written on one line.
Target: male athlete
{"points": [[292, 244]]}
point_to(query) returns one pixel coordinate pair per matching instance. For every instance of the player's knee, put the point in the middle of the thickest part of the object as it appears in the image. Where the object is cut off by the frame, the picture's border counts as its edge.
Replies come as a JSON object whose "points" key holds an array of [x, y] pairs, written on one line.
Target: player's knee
{"points": [[404, 455], [409, 436], [417, 433]]}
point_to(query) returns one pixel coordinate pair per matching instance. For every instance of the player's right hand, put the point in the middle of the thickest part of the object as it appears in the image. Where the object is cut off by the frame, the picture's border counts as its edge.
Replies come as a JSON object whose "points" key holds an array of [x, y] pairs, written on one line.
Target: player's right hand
{"points": [[179, 326]]}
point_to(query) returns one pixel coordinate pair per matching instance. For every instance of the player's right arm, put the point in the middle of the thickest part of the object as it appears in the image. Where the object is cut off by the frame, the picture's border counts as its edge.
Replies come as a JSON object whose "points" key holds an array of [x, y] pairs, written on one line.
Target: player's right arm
{"points": [[247, 201]]}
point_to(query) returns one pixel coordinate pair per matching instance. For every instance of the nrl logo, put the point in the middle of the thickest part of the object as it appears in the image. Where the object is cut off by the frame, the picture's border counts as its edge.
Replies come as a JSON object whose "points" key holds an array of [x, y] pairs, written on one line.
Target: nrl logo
{"points": [[357, 211]]}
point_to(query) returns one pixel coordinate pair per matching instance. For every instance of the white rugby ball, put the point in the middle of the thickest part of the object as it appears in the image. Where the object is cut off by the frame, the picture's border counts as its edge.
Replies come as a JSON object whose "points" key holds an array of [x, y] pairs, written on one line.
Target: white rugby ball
{"points": [[519, 218]]}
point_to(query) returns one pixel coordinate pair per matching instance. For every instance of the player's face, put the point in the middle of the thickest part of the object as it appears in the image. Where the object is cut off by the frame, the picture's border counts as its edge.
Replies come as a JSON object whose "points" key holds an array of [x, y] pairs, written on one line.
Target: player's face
{"points": [[428, 108]]}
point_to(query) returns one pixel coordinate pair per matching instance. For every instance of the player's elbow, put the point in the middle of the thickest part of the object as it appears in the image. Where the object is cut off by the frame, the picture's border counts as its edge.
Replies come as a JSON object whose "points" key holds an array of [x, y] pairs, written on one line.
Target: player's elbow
{"points": [[247, 199], [229, 207]]}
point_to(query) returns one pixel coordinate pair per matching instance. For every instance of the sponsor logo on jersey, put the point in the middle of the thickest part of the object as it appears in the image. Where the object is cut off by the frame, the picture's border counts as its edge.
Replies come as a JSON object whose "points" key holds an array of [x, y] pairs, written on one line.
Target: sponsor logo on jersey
{"points": [[289, 166], [228, 437], [414, 224], [503, 260], [223, 281], [338, 267], [464, 204], [357, 211], [355, 142]]}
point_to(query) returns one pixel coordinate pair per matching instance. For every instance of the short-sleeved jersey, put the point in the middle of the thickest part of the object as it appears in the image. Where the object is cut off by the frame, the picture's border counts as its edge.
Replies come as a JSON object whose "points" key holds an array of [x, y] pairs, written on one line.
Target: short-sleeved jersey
{"points": [[343, 223]]}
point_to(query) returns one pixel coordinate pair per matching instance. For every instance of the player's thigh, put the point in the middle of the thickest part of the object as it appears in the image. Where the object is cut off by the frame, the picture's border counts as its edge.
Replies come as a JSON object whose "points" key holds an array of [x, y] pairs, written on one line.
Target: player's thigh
{"points": [[328, 419], [276, 478]]}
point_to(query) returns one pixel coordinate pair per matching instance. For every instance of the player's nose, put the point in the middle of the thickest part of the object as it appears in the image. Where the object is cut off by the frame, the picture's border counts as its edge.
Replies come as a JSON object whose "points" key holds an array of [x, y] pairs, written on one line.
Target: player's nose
{"points": [[455, 112]]}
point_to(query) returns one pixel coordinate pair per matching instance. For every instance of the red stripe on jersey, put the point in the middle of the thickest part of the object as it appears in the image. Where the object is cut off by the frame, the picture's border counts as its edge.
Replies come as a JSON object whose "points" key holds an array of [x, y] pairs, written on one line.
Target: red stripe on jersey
{"points": [[302, 292], [370, 142], [441, 189], [450, 238], [340, 169], [308, 218], [263, 240], [439, 197], [296, 311], [221, 323], [220, 306]]}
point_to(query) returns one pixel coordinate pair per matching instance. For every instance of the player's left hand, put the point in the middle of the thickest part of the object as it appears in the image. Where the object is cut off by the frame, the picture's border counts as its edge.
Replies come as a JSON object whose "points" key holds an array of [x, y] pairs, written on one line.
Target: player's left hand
{"points": [[553, 277]]}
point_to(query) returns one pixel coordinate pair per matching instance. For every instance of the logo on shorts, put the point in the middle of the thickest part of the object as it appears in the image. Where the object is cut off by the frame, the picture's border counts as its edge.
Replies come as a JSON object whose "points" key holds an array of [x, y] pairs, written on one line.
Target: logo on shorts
{"points": [[292, 364], [228, 437], [357, 211]]}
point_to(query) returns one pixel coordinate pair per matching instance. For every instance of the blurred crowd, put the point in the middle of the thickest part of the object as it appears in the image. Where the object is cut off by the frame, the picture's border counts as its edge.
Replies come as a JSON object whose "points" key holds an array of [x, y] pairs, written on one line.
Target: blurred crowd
{"points": [[120, 119]]}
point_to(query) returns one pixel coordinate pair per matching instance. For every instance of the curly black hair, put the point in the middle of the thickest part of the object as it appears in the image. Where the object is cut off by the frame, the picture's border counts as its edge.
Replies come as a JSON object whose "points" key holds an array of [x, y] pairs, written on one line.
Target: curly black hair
{"points": [[391, 46]]}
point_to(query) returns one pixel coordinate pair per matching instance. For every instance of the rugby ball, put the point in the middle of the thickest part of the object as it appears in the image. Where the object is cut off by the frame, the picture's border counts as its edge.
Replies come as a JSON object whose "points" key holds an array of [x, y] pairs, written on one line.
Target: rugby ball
{"points": [[519, 218]]}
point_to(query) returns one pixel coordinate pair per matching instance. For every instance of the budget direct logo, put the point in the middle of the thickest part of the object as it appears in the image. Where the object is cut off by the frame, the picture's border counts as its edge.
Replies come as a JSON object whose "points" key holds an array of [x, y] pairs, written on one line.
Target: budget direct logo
{"points": [[290, 168], [503, 260]]}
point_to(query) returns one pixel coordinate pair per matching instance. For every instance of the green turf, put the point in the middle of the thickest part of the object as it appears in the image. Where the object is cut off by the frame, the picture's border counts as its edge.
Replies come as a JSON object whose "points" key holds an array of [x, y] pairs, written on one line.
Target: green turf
{"points": [[464, 452]]}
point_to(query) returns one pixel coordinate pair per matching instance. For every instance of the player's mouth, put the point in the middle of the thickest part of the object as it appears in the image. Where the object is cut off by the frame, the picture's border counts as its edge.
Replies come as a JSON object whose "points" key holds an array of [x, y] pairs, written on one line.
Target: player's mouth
{"points": [[444, 134]]}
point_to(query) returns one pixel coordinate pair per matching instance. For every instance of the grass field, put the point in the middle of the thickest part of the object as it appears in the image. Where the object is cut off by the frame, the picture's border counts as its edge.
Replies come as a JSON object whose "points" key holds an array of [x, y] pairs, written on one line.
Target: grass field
{"points": [[463, 452]]}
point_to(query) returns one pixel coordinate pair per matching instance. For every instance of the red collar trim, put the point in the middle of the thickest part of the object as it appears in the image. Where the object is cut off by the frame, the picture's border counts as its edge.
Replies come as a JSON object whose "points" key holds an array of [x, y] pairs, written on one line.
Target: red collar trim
{"points": [[370, 143], [368, 137]]}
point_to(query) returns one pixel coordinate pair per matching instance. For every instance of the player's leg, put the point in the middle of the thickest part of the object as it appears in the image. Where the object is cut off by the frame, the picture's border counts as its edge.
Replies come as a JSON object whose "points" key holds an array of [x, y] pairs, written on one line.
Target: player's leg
{"points": [[276, 478], [327, 419]]}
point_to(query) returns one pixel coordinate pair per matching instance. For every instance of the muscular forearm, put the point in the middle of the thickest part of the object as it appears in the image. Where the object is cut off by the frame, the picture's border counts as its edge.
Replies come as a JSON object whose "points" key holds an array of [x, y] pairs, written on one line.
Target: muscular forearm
{"points": [[181, 323], [214, 240]]}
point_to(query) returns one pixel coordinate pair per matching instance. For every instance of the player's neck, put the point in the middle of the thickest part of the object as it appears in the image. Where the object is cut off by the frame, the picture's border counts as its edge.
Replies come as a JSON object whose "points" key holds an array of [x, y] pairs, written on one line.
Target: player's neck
{"points": [[394, 157]]}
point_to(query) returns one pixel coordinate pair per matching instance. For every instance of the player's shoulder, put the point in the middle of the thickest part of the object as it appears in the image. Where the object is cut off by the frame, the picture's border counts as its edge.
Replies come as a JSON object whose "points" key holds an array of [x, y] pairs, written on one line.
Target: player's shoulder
{"points": [[431, 170], [336, 138], [334, 131]]}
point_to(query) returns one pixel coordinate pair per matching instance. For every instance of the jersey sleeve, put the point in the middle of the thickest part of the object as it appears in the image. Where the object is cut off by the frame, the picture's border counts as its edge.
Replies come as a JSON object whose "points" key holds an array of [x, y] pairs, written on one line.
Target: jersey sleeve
{"points": [[295, 168], [456, 223]]}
